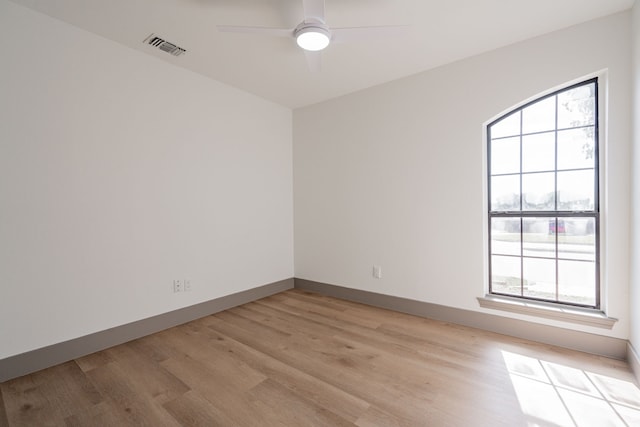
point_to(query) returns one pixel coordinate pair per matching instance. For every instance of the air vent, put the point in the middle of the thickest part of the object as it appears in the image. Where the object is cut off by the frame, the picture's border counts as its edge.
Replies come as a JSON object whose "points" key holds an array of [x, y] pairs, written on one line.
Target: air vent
{"points": [[164, 45]]}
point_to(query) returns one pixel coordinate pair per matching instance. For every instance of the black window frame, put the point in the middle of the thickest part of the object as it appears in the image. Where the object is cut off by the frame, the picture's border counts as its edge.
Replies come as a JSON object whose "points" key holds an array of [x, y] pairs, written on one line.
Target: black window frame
{"points": [[523, 214]]}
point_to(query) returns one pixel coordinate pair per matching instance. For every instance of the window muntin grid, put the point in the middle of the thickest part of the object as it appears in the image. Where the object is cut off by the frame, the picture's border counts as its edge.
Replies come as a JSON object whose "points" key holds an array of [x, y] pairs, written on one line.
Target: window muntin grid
{"points": [[543, 199]]}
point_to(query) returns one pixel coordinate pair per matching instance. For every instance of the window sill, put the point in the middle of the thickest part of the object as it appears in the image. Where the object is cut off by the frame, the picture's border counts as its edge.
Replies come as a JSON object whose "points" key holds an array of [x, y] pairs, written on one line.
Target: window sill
{"points": [[582, 316]]}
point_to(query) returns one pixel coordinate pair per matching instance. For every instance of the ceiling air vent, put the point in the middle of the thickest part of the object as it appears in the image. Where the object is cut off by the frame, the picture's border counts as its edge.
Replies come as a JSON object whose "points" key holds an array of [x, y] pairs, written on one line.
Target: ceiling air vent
{"points": [[164, 45]]}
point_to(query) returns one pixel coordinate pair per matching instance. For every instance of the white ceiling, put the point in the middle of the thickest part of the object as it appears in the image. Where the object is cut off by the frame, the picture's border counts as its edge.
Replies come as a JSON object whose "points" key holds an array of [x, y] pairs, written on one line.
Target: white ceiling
{"points": [[439, 32]]}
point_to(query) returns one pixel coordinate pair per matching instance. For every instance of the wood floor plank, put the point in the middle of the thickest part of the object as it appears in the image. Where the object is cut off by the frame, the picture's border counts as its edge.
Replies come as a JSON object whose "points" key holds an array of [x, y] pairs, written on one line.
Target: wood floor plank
{"points": [[342, 372], [191, 409], [303, 359], [330, 310], [93, 361], [24, 400], [280, 405], [381, 337], [102, 414], [147, 378], [325, 395], [225, 396], [374, 417], [223, 366], [49, 396], [4, 422], [421, 357], [122, 395]]}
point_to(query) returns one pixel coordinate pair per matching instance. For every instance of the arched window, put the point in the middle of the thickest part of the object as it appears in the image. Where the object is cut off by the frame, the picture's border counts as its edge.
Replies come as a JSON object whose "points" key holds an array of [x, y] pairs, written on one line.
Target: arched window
{"points": [[543, 199]]}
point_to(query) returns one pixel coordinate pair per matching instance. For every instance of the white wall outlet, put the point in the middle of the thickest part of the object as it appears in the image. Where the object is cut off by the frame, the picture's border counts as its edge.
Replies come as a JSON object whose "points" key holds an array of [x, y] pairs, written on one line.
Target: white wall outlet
{"points": [[187, 285], [178, 285], [377, 272]]}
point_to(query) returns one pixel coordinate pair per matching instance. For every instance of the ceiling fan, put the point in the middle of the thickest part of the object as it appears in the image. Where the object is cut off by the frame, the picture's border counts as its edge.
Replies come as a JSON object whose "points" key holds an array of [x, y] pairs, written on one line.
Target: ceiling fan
{"points": [[313, 34]]}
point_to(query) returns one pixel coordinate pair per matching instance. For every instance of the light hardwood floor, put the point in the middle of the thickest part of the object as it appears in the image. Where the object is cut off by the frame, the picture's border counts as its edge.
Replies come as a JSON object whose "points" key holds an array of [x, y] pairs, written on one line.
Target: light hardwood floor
{"points": [[302, 359]]}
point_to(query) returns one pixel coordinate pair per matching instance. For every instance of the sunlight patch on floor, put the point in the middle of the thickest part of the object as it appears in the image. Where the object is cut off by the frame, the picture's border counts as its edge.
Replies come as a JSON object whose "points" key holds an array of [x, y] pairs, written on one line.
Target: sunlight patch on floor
{"points": [[552, 394]]}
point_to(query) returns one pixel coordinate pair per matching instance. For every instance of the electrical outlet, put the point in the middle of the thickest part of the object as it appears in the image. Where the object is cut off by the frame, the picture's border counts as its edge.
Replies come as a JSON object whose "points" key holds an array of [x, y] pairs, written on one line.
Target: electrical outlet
{"points": [[187, 285], [377, 272], [178, 285]]}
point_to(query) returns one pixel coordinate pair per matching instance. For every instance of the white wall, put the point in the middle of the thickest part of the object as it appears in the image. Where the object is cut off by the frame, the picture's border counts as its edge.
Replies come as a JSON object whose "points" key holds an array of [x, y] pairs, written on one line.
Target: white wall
{"points": [[634, 301], [393, 175], [120, 172]]}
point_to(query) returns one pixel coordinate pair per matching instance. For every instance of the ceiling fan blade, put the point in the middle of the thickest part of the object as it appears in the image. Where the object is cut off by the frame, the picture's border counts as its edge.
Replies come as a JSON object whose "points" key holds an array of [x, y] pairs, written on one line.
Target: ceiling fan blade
{"points": [[277, 32], [339, 35], [313, 9], [314, 60]]}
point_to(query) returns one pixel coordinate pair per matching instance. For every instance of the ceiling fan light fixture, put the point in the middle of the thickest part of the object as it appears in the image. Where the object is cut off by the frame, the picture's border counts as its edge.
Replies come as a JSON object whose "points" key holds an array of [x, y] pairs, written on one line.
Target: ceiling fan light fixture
{"points": [[313, 38]]}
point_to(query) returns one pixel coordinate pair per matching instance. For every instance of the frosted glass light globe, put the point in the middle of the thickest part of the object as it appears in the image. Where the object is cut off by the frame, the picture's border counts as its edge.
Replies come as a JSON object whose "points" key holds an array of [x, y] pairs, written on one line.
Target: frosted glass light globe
{"points": [[312, 39]]}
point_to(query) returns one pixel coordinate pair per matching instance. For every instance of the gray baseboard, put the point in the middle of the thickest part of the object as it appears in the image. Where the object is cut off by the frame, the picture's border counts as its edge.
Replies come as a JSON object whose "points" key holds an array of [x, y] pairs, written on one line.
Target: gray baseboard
{"points": [[591, 343], [634, 361], [25, 363]]}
